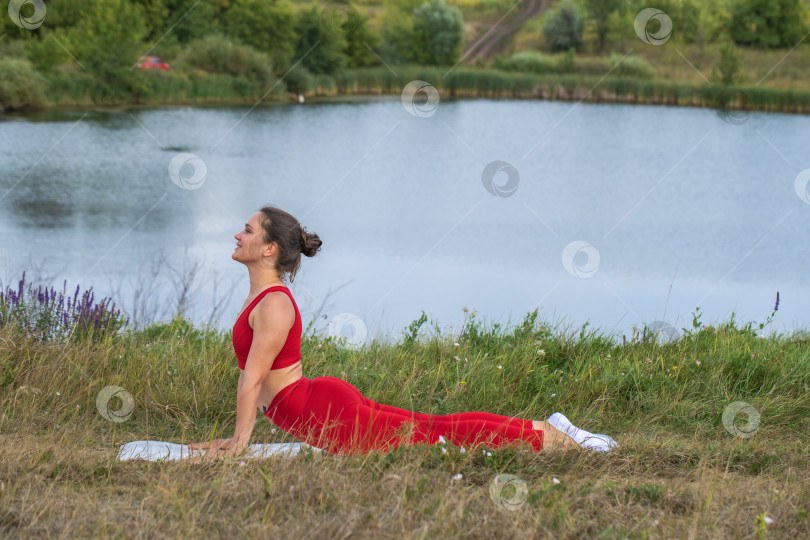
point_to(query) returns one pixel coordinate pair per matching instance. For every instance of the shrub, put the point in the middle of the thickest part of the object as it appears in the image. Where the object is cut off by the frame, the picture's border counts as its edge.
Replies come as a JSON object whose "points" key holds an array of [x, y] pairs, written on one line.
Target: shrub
{"points": [[20, 84], [632, 66], [528, 62], [218, 54]]}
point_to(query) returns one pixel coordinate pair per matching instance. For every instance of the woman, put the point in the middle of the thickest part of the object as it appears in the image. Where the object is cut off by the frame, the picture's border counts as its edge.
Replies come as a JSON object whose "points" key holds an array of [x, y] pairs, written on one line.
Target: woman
{"points": [[327, 412]]}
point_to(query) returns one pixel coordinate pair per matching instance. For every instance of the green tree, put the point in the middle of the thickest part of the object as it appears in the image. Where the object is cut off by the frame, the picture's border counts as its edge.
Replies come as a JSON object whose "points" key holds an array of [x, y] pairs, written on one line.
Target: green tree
{"points": [[684, 14], [438, 30], [564, 27], [359, 36], [397, 42], [598, 12], [266, 25], [107, 41], [768, 23], [192, 19], [318, 44], [728, 65]]}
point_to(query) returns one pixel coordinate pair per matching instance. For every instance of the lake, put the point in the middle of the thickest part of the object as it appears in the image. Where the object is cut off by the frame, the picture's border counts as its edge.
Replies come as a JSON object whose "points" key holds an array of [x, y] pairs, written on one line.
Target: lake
{"points": [[615, 215]]}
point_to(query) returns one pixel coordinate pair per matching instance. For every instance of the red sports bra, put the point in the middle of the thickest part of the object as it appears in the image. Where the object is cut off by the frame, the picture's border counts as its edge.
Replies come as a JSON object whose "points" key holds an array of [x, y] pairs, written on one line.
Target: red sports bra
{"points": [[243, 335]]}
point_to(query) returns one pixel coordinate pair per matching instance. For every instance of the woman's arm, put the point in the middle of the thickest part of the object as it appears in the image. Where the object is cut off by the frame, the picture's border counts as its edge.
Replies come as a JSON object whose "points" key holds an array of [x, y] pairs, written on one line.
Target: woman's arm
{"points": [[274, 317]]}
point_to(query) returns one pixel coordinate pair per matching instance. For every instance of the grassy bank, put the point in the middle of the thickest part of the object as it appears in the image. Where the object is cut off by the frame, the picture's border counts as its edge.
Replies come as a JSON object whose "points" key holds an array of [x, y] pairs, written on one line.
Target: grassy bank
{"points": [[78, 90], [678, 473]]}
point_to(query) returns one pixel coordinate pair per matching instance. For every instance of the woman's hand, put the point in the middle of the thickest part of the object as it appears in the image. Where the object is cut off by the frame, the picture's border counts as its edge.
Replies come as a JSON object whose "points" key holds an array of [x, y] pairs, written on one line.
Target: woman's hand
{"points": [[216, 450], [212, 445]]}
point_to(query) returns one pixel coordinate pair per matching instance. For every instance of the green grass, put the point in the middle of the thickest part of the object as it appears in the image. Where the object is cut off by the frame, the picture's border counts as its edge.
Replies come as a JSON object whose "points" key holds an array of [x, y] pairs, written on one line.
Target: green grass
{"points": [[678, 472]]}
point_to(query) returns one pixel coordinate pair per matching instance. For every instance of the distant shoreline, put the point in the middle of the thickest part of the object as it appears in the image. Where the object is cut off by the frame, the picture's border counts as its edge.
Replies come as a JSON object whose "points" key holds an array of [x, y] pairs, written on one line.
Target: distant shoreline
{"points": [[580, 94]]}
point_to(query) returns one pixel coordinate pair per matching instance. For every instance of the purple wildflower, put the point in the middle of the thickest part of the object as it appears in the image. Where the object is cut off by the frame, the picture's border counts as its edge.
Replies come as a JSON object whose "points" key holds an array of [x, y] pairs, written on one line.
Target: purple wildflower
{"points": [[776, 307]]}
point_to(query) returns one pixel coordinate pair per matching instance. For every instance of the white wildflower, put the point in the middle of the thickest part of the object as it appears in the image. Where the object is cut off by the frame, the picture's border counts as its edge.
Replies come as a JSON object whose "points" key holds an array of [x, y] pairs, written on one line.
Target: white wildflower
{"points": [[58, 394], [500, 367], [457, 358], [444, 450], [455, 343], [541, 352], [554, 480], [463, 451], [442, 439], [552, 395], [768, 520], [489, 454], [457, 476], [697, 362]]}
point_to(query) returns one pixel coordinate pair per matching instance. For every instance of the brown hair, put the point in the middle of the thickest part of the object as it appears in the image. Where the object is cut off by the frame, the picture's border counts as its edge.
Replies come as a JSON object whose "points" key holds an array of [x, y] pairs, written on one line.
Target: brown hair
{"points": [[280, 227]]}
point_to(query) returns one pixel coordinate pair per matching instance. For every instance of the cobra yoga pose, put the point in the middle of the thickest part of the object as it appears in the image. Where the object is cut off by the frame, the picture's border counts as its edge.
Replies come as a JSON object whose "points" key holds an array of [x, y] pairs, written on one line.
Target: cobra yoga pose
{"points": [[327, 412]]}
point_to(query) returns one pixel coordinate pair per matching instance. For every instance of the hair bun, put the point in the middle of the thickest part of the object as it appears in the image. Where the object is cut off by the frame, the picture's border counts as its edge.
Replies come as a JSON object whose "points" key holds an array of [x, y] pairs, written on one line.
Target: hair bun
{"points": [[310, 243]]}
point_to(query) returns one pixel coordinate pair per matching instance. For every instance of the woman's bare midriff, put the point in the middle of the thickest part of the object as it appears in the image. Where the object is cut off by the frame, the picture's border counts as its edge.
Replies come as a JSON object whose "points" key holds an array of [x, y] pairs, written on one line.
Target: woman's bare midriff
{"points": [[276, 381]]}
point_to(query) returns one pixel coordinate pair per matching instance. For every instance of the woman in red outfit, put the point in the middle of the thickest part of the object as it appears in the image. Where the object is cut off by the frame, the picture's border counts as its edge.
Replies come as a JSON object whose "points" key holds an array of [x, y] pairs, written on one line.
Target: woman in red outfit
{"points": [[327, 412]]}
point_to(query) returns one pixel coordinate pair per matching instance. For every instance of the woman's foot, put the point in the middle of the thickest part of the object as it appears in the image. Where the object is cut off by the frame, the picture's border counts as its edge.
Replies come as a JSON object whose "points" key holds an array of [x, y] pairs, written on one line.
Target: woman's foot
{"points": [[552, 437], [596, 442]]}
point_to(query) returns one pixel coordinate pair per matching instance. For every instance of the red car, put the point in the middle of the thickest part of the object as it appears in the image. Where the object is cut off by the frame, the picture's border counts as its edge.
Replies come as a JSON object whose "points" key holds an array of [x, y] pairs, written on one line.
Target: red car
{"points": [[153, 62]]}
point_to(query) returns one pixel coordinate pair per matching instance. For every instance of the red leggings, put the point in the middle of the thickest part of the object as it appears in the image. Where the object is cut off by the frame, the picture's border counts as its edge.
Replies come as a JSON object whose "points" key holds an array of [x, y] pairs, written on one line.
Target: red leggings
{"points": [[331, 414]]}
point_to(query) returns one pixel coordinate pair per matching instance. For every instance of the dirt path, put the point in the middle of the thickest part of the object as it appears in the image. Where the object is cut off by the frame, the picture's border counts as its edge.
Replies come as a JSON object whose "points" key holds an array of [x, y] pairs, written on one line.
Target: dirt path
{"points": [[496, 34]]}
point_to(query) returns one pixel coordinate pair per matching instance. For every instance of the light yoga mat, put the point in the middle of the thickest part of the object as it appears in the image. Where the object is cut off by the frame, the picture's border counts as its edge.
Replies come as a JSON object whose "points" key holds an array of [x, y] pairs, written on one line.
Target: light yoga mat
{"points": [[160, 450]]}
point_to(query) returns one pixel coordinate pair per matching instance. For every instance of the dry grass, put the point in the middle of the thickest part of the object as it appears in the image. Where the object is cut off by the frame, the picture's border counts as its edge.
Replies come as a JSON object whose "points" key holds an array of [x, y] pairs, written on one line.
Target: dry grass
{"points": [[678, 473]]}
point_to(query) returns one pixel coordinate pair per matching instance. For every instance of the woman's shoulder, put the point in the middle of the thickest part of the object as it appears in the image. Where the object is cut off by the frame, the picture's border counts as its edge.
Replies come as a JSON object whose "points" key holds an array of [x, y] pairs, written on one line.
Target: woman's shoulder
{"points": [[274, 303]]}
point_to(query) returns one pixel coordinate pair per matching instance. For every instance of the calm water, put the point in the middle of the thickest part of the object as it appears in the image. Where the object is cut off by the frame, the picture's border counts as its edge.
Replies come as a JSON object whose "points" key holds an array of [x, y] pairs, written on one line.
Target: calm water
{"points": [[665, 198]]}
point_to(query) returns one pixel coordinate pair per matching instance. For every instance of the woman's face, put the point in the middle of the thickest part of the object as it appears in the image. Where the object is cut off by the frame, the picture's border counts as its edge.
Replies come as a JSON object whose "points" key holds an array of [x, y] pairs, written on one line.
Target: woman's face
{"points": [[249, 242]]}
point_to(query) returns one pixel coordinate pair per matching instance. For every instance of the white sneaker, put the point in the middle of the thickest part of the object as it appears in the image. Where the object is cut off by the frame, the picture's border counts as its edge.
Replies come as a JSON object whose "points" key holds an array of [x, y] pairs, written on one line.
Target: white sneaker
{"points": [[599, 443], [590, 441]]}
